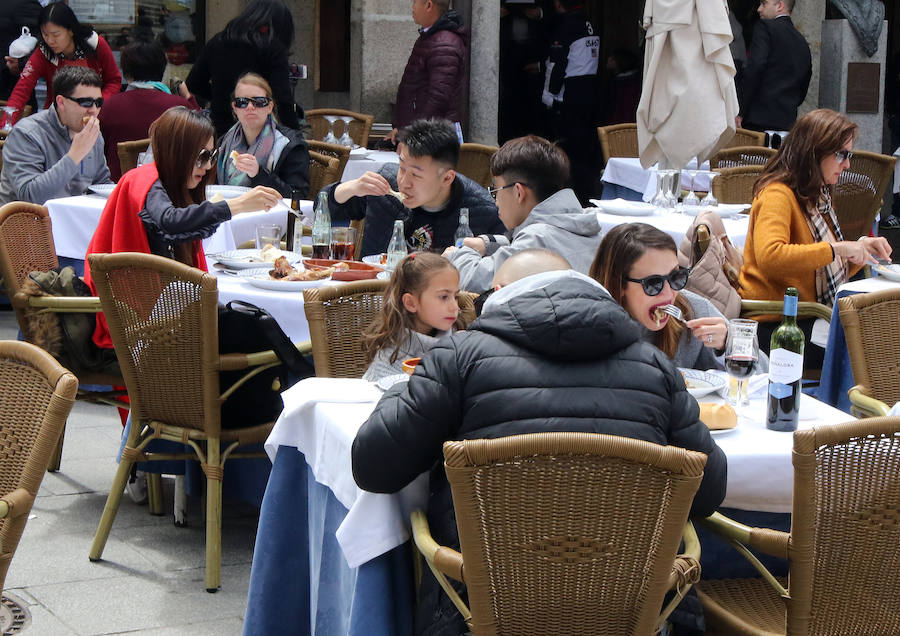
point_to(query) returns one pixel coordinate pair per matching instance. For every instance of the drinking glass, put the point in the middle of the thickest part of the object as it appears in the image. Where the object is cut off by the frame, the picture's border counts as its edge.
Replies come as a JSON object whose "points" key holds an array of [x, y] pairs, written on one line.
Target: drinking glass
{"points": [[343, 242], [346, 139], [691, 199], [268, 235], [9, 114], [330, 138], [741, 357], [710, 201], [674, 189], [660, 198]]}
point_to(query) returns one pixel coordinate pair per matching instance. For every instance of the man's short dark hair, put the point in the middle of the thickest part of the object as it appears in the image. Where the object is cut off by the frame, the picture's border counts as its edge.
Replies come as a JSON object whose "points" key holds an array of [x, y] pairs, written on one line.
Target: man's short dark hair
{"points": [[144, 61], [442, 5], [532, 161], [435, 138], [68, 78]]}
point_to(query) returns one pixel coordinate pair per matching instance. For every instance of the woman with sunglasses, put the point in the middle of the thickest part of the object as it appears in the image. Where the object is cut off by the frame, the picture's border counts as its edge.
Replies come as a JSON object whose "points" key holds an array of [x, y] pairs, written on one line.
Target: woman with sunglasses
{"points": [[64, 41], [257, 150], [161, 208], [794, 238], [638, 265]]}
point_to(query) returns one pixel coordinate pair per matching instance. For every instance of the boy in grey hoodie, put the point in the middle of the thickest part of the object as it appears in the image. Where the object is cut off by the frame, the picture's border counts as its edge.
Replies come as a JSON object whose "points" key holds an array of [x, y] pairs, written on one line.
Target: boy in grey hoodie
{"points": [[530, 175]]}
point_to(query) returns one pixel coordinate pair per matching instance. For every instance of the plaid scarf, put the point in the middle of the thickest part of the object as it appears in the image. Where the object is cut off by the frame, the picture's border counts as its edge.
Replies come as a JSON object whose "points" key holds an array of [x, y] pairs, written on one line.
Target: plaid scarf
{"points": [[824, 227], [235, 140]]}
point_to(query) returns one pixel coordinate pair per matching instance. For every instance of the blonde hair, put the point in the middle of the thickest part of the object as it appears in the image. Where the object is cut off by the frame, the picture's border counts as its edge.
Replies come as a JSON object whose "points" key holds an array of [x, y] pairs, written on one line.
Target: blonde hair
{"points": [[258, 81]]}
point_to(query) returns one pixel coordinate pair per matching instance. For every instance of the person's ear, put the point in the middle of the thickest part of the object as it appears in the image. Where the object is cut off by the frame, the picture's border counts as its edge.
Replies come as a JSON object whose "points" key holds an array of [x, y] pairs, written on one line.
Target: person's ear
{"points": [[410, 303], [448, 177], [520, 191], [60, 101]]}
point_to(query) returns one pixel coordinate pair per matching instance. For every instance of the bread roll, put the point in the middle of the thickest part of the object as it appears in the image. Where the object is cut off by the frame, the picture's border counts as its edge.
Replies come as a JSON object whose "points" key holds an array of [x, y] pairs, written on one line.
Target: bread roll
{"points": [[717, 416]]}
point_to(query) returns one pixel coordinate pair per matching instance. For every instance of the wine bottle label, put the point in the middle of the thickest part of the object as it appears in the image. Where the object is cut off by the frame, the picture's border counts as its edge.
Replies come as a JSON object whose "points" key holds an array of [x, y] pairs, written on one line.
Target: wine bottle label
{"points": [[779, 390], [785, 366]]}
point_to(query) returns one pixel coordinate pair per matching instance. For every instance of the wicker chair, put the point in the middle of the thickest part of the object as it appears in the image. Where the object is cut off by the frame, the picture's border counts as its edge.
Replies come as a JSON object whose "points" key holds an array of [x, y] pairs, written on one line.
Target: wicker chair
{"points": [[619, 140], [734, 156], [735, 185], [844, 535], [38, 394], [567, 533], [859, 190], [744, 137], [323, 171], [475, 162], [341, 153], [359, 127], [874, 355], [128, 153], [163, 321]]}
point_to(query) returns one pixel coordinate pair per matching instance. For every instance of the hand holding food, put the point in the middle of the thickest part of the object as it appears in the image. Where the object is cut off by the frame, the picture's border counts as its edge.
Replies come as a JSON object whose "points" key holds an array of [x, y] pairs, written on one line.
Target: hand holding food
{"points": [[371, 183], [259, 198], [711, 331], [84, 139], [245, 163]]}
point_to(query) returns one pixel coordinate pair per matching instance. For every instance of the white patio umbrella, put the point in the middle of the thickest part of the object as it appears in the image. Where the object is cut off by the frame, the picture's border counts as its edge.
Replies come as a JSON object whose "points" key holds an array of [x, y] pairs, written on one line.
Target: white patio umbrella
{"points": [[688, 101]]}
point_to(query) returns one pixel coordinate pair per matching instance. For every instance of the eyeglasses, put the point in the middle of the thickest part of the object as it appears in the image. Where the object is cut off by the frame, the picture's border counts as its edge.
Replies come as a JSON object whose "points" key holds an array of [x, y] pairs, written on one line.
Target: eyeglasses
{"points": [[653, 285], [207, 156], [493, 191], [86, 102], [258, 102], [843, 155]]}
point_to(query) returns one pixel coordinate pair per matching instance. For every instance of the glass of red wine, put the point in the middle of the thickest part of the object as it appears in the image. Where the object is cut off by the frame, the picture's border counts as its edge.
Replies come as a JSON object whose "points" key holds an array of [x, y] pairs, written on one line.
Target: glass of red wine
{"points": [[741, 357]]}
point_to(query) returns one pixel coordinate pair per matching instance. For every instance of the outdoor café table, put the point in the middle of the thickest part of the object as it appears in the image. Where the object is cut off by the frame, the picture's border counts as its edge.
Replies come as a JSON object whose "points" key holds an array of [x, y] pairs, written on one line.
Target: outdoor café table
{"points": [[332, 559], [837, 375], [676, 225], [625, 178], [372, 162]]}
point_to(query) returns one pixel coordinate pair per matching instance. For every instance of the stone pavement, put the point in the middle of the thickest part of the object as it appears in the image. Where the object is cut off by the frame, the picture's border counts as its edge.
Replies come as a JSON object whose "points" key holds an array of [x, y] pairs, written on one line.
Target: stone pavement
{"points": [[150, 581]]}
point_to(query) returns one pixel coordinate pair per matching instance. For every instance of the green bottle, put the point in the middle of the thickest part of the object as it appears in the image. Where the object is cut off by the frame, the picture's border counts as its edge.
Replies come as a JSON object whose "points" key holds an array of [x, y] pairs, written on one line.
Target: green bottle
{"points": [[785, 369]]}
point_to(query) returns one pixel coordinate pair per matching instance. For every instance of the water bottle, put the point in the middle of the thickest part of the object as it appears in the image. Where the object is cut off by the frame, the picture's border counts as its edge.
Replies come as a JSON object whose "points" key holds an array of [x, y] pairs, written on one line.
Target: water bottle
{"points": [[396, 251], [463, 231], [294, 235], [785, 369], [321, 230]]}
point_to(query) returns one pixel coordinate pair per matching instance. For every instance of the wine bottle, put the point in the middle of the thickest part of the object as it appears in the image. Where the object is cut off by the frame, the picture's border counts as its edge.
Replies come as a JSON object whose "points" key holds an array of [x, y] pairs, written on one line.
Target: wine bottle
{"points": [[785, 369], [397, 246], [321, 230], [463, 231], [294, 235]]}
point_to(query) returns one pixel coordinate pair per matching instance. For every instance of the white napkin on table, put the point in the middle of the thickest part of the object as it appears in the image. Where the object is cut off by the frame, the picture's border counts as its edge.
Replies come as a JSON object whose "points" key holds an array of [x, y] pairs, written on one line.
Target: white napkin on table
{"points": [[341, 390]]}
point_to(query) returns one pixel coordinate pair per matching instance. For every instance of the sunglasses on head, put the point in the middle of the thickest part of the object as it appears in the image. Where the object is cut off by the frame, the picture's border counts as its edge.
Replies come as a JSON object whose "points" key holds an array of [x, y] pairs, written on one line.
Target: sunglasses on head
{"points": [[653, 285], [86, 102], [258, 102], [207, 156]]}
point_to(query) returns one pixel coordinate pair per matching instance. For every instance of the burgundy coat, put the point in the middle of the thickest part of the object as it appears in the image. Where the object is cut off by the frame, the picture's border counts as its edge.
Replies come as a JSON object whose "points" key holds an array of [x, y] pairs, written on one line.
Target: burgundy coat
{"points": [[433, 81]]}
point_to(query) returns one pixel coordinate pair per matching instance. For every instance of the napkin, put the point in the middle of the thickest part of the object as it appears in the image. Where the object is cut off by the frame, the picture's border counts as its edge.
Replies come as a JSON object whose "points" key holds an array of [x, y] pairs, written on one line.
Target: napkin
{"points": [[311, 391]]}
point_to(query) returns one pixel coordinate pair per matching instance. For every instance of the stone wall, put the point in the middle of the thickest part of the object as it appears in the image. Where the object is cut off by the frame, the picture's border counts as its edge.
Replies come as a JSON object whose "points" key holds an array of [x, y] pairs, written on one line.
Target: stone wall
{"points": [[808, 16]]}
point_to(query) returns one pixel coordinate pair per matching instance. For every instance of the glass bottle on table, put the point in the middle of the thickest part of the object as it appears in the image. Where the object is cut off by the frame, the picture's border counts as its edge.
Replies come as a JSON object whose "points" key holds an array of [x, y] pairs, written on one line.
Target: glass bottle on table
{"points": [[396, 250], [785, 369], [321, 229], [293, 237], [463, 231]]}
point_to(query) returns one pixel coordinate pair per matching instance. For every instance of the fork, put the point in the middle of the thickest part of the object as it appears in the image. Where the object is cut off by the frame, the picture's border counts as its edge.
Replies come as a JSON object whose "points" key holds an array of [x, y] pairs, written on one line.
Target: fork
{"points": [[673, 311]]}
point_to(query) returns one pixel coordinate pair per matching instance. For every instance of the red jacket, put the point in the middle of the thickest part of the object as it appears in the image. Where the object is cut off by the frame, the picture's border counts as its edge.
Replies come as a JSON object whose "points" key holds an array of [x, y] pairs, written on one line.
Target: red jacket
{"points": [[39, 66]]}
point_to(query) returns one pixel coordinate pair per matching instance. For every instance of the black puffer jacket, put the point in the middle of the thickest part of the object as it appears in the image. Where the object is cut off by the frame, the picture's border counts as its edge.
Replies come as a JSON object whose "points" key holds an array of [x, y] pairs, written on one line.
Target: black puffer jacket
{"points": [[562, 358], [291, 171], [432, 82]]}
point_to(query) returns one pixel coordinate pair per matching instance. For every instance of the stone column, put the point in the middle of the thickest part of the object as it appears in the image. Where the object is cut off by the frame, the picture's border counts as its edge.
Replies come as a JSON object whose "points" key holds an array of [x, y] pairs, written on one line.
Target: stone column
{"points": [[808, 16], [484, 71]]}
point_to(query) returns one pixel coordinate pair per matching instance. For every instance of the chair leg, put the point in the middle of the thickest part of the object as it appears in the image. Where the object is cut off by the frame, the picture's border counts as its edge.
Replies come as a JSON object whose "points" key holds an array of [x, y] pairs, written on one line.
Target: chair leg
{"points": [[56, 459], [154, 493], [213, 518], [109, 511], [180, 506]]}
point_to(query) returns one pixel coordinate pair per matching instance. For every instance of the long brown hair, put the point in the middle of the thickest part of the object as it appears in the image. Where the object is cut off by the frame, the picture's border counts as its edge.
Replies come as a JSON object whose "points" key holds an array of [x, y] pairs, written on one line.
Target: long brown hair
{"points": [[177, 137], [620, 248], [392, 326], [816, 135]]}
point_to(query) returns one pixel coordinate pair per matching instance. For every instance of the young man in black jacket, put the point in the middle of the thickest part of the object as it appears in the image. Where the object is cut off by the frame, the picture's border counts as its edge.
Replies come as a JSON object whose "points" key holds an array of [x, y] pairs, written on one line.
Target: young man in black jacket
{"points": [[551, 352], [431, 194]]}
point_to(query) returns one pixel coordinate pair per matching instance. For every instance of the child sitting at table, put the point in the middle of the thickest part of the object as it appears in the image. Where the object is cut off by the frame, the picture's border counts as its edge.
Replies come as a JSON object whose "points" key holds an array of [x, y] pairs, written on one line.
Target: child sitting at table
{"points": [[420, 307]]}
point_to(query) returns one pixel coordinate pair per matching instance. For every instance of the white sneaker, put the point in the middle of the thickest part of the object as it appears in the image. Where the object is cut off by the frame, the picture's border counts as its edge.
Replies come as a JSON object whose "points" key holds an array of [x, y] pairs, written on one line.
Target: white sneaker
{"points": [[137, 487]]}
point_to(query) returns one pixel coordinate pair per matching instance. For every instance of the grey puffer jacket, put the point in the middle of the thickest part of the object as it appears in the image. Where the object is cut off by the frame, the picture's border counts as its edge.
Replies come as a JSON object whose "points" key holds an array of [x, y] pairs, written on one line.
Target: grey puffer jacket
{"points": [[564, 357]]}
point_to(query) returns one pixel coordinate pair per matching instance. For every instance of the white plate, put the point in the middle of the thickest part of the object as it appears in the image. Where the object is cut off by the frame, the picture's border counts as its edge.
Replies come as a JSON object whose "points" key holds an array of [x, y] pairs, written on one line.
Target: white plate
{"points": [[260, 278], [724, 210], [890, 272], [103, 189], [373, 259], [723, 431], [390, 380], [621, 207], [359, 153], [228, 192], [700, 383], [249, 258], [385, 275]]}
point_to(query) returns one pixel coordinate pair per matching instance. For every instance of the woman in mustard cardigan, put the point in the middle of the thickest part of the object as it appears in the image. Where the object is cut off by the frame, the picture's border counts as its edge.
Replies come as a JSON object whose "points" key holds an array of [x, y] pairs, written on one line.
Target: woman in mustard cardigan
{"points": [[794, 238]]}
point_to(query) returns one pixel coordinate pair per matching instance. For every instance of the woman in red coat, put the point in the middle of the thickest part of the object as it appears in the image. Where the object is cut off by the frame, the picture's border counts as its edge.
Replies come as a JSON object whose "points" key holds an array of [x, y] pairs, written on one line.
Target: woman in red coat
{"points": [[63, 41]]}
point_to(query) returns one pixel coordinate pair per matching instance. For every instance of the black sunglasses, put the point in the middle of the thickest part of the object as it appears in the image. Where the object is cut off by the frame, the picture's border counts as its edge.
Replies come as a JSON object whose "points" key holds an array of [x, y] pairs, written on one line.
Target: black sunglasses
{"points": [[258, 102], [207, 156], [86, 102], [843, 155], [653, 285]]}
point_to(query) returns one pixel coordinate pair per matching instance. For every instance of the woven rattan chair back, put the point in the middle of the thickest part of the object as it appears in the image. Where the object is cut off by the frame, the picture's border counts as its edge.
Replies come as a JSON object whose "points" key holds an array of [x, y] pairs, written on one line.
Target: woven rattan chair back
{"points": [[323, 171], [845, 529], [744, 137], [163, 321], [475, 162], [619, 140], [337, 316], [858, 193], [874, 353], [360, 127], [26, 245], [341, 153], [735, 185], [734, 156], [569, 533], [128, 152], [37, 396]]}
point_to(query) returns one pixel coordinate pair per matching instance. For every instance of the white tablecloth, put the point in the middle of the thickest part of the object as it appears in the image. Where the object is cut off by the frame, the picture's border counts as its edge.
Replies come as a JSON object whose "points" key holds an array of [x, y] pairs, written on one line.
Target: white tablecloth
{"points": [[627, 172], [676, 225], [355, 168]]}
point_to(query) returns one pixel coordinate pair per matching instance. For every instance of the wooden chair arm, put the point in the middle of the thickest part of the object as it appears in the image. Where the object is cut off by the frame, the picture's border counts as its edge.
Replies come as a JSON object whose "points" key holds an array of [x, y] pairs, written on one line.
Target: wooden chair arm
{"points": [[685, 571], [865, 405], [16, 503], [441, 560], [63, 304], [751, 308], [239, 361]]}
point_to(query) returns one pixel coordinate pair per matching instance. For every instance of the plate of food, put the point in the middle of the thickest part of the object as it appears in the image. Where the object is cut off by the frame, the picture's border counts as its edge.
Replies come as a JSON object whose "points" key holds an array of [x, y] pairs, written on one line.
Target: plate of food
{"points": [[103, 189], [719, 418], [345, 270], [254, 258], [376, 259], [621, 207], [216, 193], [890, 272], [282, 276], [700, 383]]}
